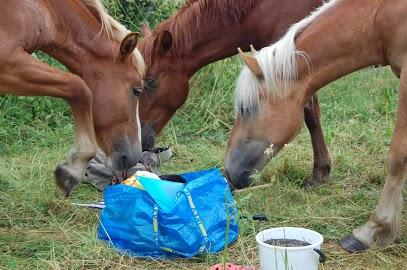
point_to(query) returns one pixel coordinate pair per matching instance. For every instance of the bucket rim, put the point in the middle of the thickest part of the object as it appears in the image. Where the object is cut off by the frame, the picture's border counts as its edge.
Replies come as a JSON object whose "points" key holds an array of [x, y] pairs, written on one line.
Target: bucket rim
{"points": [[260, 241]]}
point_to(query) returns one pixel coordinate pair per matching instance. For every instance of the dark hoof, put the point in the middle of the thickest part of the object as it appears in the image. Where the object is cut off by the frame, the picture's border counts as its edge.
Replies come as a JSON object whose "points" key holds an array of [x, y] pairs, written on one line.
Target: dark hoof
{"points": [[352, 245], [65, 180], [312, 182], [318, 177]]}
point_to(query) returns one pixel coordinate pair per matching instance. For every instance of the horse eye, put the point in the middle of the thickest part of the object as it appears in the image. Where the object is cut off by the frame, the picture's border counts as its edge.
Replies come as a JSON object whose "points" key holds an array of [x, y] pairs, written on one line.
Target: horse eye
{"points": [[150, 84], [137, 91]]}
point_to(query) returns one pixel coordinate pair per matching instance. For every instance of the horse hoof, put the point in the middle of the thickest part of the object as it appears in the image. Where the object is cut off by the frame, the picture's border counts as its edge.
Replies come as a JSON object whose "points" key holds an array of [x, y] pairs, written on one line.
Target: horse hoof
{"points": [[312, 182], [352, 245], [308, 185], [66, 181], [317, 178]]}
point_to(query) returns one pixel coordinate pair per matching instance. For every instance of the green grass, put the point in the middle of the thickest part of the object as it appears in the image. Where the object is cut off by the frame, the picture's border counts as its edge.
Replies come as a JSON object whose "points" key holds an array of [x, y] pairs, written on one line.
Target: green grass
{"points": [[39, 229]]}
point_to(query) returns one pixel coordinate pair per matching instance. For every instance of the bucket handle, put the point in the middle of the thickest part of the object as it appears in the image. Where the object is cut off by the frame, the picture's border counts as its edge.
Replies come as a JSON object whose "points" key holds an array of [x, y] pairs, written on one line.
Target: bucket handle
{"points": [[322, 256]]}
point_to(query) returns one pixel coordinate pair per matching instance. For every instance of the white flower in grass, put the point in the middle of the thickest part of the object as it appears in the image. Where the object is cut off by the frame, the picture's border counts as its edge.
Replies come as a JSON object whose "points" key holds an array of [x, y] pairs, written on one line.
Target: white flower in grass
{"points": [[269, 150]]}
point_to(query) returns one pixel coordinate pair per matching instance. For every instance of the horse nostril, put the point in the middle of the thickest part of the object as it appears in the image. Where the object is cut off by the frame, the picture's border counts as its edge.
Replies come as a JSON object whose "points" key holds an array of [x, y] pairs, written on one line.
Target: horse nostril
{"points": [[147, 137], [148, 143], [123, 162], [241, 180]]}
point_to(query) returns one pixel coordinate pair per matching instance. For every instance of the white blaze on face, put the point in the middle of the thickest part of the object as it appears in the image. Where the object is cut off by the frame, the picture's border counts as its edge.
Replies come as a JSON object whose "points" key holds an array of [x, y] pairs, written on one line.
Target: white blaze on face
{"points": [[138, 123]]}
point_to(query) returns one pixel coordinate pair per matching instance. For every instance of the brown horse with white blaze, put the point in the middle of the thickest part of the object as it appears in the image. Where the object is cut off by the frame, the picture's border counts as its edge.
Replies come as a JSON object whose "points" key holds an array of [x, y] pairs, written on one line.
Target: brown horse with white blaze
{"points": [[203, 32], [277, 82], [102, 89]]}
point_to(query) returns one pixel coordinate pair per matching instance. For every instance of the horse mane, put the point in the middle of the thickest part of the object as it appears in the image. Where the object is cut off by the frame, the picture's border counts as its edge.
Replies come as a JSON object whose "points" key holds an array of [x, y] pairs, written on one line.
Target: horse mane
{"points": [[114, 30], [196, 17], [278, 63]]}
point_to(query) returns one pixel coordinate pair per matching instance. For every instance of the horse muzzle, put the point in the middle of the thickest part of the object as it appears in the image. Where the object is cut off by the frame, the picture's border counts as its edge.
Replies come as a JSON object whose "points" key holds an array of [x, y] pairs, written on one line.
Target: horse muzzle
{"points": [[125, 156], [148, 136], [243, 159]]}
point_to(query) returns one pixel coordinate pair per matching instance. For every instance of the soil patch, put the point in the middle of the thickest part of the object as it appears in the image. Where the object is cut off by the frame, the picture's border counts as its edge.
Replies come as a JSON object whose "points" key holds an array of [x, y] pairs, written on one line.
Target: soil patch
{"points": [[287, 243]]}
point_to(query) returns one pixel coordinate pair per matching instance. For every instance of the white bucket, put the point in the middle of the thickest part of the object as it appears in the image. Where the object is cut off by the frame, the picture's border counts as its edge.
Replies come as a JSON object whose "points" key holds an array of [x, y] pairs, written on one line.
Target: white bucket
{"points": [[290, 258]]}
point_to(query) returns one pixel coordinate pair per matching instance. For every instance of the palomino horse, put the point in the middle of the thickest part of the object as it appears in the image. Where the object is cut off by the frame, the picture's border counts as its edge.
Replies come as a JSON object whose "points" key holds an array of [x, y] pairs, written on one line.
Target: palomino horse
{"points": [[104, 90], [277, 82], [203, 32]]}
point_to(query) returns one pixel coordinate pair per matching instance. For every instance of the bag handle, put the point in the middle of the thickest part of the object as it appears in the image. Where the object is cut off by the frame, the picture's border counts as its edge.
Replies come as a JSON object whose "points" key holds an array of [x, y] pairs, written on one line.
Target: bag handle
{"points": [[322, 256]]}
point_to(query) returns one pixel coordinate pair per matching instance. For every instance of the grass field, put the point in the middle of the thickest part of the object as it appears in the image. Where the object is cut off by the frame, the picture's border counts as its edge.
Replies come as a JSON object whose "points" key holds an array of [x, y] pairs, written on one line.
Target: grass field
{"points": [[39, 229]]}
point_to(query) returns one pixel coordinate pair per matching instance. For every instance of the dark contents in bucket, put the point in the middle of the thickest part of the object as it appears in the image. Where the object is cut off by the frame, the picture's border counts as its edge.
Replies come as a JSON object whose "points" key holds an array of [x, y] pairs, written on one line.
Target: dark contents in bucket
{"points": [[287, 243]]}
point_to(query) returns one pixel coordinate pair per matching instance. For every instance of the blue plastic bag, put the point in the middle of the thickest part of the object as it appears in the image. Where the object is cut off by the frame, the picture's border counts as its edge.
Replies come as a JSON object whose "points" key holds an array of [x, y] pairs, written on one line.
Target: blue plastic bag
{"points": [[133, 222]]}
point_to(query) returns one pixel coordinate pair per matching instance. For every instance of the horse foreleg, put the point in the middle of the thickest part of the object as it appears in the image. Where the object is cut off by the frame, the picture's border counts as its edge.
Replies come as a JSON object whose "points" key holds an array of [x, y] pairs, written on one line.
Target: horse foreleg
{"points": [[384, 226], [23, 75], [322, 160]]}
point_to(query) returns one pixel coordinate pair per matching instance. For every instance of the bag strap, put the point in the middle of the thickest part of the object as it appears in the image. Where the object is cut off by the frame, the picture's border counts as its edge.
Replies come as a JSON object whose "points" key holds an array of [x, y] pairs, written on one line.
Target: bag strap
{"points": [[155, 228], [198, 219]]}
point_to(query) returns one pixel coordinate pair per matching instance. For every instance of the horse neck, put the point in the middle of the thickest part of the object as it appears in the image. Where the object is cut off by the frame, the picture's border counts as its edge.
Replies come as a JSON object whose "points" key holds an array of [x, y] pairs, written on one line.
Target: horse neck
{"points": [[220, 41], [78, 41], [338, 42], [222, 44]]}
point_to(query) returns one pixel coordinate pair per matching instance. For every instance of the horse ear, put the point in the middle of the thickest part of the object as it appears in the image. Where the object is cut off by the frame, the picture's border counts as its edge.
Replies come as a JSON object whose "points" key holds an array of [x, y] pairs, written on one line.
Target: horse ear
{"points": [[165, 42], [129, 43], [251, 63], [145, 30], [254, 51]]}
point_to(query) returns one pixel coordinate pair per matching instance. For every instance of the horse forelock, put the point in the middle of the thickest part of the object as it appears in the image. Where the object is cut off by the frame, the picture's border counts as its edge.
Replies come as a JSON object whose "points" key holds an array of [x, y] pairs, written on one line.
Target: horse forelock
{"points": [[146, 47], [278, 63], [115, 30], [140, 64], [196, 17]]}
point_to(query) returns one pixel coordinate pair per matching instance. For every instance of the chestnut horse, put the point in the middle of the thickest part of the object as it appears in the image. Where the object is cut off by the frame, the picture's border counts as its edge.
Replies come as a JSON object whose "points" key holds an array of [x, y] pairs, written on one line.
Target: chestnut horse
{"points": [[203, 32], [107, 81], [277, 82]]}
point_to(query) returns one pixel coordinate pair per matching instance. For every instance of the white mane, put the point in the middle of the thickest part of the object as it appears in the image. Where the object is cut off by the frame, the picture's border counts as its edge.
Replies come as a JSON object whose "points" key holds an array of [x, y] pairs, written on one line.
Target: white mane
{"points": [[115, 30], [278, 64]]}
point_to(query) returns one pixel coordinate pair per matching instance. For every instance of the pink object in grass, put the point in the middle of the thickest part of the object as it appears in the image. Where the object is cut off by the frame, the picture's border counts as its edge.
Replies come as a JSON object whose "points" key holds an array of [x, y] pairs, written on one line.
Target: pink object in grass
{"points": [[230, 266]]}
